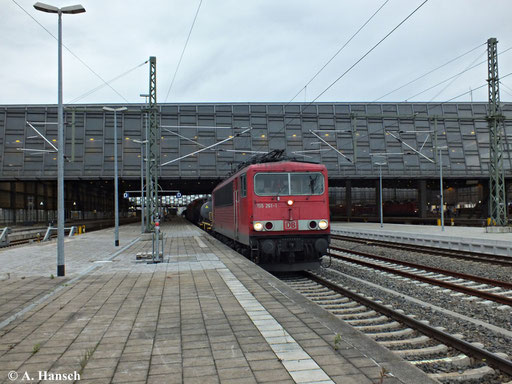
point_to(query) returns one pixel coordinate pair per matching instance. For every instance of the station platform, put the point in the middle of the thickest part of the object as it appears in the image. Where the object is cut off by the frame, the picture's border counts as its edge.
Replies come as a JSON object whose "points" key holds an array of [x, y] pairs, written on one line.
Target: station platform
{"points": [[473, 239], [204, 315]]}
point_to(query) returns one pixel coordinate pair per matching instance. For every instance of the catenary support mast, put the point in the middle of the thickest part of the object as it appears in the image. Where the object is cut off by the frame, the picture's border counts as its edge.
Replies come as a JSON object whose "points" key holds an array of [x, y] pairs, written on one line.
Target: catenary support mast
{"points": [[497, 198], [153, 155]]}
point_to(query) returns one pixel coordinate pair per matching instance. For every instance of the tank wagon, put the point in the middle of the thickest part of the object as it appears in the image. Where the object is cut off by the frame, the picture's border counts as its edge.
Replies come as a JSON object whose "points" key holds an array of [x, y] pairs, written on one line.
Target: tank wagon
{"points": [[193, 211]]}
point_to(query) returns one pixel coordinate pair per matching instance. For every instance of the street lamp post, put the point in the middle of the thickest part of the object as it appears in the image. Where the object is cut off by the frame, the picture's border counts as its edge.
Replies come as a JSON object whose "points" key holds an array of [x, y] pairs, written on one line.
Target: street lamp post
{"points": [[72, 9], [116, 188], [380, 193], [142, 213]]}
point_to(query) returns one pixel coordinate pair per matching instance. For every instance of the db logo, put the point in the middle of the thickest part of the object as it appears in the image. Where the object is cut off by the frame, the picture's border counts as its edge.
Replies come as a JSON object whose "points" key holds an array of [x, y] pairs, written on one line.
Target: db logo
{"points": [[290, 225]]}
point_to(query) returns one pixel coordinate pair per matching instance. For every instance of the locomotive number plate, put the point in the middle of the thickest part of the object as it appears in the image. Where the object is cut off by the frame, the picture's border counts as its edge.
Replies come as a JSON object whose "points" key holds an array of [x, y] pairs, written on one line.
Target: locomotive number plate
{"points": [[290, 225], [266, 205]]}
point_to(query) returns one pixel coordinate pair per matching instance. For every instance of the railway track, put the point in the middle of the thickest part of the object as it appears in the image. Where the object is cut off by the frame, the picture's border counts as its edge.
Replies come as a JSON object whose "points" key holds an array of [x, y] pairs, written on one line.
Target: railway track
{"points": [[22, 237], [462, 255], [14, 243], [443, 356], [36, 234], [487, 289]]}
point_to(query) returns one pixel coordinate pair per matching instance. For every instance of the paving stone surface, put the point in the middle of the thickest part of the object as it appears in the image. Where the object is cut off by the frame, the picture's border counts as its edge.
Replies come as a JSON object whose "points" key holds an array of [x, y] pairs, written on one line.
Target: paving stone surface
{"points": [[204, 315]]}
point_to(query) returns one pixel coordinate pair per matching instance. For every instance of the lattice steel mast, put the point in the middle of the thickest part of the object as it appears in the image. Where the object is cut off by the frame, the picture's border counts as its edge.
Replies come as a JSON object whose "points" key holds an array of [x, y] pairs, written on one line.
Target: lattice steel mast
{"points": [[153, 153], [497, 197]]}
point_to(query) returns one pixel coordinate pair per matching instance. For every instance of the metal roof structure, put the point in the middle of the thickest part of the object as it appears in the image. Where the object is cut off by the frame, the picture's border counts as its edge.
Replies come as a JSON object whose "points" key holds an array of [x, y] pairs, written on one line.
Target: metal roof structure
{"points": [[349, 138]]}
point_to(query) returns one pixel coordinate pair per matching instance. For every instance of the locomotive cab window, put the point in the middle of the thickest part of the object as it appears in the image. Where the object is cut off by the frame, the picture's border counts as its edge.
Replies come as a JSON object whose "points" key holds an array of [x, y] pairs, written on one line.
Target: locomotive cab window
{"points": [[307, 183], [243, 185], [278, 184]]}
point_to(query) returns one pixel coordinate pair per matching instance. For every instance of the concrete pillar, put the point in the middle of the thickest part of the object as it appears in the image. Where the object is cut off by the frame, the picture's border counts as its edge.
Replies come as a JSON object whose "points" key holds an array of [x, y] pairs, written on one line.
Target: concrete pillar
{"points": [[485, 199], [25, 202], [13, 201], [54, 203], [348, 198], [30, 204], [37, 197], [422, 198], [85, 201], [76, 199], [377, 198], [45, 202]]}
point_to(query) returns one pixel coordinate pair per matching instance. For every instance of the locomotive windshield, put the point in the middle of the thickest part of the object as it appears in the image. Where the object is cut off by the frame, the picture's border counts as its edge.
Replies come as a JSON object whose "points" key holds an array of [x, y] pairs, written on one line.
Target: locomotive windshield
{"points": [[288, 184]]}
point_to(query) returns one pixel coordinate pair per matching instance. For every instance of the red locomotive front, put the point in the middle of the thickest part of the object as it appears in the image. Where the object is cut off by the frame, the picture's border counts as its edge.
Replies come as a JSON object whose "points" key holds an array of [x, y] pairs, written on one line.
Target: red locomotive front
{"points": [[276, 213]]}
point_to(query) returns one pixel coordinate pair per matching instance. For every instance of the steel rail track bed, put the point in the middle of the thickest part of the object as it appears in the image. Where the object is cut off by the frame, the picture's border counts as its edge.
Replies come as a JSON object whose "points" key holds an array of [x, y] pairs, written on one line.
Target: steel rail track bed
{"points": [[484, 280], [502, 299], [464, 255], [452, 341]]}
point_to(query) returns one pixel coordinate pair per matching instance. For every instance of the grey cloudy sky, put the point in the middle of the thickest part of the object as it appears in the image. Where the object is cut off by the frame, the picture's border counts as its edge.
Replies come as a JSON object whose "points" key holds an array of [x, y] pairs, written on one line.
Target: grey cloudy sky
{"points": [[253, 50]]}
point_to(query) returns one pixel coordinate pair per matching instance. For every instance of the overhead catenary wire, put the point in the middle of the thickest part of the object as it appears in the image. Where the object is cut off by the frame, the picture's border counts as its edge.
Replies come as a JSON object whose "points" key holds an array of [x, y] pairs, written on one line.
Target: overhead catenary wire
{"points": [[465, 93], [510, 89], [183, 51], [395, 125], [88, 93], [453, 76], [339, 51], [507, 92], [505, 85], [309, 82], [71, 52], [369, 51], [351, 67], [430, 107], [456, 77], [207, 148], [429, 72]]}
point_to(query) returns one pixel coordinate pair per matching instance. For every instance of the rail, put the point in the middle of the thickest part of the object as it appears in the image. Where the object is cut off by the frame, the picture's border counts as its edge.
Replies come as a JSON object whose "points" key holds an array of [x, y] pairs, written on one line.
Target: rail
{"points": [[490, 358], [505, 260], [486, 246], [455, 287], [483, 280]]}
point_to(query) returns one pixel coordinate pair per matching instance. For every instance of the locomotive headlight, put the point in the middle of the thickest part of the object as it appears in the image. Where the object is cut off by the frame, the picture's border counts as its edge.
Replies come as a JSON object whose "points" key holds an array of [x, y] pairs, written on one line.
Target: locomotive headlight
{"points": [[258, 226], [323, 224], [290, 202]]}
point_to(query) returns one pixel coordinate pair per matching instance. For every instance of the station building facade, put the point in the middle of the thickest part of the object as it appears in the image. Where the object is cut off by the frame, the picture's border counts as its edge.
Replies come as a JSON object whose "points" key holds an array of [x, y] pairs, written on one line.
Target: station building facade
{"points": [[355, 141]]}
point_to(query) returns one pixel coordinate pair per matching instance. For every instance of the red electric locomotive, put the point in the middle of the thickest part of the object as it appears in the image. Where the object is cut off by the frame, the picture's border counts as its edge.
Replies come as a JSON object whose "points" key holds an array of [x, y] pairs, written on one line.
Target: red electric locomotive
{"points": [[276, 213]]}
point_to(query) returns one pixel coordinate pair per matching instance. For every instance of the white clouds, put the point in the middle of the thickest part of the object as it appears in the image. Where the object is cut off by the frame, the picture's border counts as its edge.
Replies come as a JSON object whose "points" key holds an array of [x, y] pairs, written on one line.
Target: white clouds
{"points": [[255, 50]]}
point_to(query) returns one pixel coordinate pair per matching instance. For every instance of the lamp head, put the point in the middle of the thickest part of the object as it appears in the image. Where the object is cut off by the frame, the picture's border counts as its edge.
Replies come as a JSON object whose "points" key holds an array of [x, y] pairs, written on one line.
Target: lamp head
{"points": [[46, 8], [72, 9], [110, 109]]}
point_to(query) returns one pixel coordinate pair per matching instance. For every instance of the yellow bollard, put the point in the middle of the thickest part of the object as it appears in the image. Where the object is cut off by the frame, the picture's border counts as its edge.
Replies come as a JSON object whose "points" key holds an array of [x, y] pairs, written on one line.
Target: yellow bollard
{"points": [[488, 221], [79, 229], [438, 222]]}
